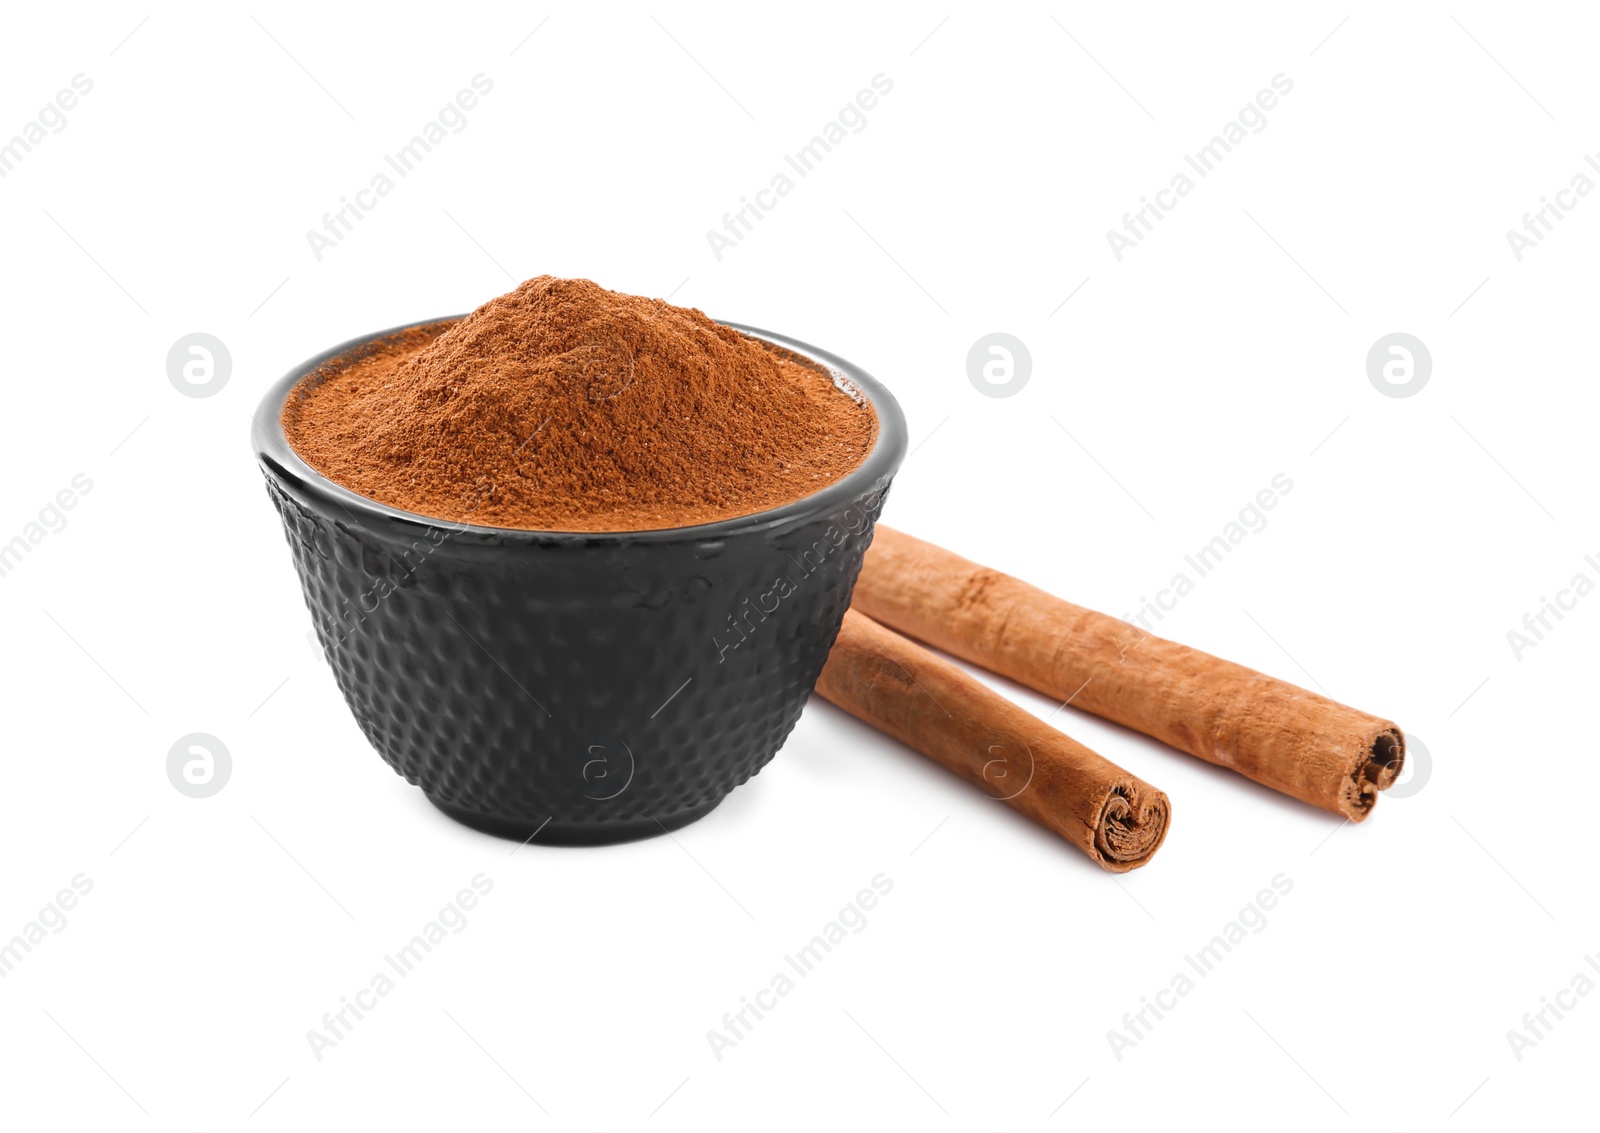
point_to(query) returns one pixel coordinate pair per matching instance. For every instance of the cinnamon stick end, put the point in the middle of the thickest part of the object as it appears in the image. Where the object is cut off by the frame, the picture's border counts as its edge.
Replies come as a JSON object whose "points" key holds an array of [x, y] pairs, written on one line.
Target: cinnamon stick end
{"points": [[1131, 826], [1375, 769]]}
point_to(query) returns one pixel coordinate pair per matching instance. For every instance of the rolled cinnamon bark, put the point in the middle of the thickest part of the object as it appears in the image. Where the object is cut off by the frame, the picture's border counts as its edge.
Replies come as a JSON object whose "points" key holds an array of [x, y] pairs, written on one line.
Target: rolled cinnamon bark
{"points": [[929, 704], [1282, 736]]}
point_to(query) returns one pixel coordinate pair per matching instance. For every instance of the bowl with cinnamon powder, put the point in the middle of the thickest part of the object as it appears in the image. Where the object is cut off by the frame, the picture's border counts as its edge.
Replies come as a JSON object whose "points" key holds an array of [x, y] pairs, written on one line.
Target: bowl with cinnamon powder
{"points": [[577, 558]]}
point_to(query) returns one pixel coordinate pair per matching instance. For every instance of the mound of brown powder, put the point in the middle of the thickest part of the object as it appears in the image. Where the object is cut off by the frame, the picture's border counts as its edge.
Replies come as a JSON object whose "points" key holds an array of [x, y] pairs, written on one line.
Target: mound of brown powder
{"points": [[562, 406]]}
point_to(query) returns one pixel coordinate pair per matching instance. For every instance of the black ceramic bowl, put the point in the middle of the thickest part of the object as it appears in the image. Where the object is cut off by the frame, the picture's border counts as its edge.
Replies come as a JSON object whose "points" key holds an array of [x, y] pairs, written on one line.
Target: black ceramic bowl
{"points": [[577, 688]]}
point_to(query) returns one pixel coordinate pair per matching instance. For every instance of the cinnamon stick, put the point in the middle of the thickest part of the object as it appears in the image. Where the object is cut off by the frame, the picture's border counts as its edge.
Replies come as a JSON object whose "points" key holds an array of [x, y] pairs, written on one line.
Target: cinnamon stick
{"points": [[929, 704], [1282, 736]]}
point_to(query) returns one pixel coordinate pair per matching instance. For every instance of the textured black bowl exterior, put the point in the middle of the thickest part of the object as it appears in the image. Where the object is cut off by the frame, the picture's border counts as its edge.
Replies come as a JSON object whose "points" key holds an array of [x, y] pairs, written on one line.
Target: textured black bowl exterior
{"points": [[577, 687]]}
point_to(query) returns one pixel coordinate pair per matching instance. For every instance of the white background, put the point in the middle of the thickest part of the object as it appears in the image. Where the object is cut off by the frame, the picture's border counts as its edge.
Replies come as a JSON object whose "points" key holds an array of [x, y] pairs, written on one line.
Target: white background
{"points": [[1228, 347]]}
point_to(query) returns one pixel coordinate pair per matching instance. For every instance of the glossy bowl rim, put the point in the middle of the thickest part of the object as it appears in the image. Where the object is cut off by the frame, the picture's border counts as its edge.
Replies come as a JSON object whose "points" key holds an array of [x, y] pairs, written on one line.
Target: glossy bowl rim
{"points": [[279, 459]]}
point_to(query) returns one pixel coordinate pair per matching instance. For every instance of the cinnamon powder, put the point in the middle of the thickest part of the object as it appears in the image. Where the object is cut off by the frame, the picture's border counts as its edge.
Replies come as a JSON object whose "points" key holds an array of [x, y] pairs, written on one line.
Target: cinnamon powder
{"points": [[561, 406]]}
